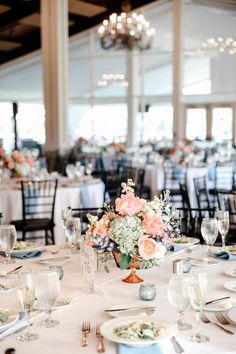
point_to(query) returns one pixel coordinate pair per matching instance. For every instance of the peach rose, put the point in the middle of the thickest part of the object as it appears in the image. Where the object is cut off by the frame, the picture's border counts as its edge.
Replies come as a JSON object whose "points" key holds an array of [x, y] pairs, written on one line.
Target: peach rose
{"points": [[149, 248], [128, 204], [153, 224]]}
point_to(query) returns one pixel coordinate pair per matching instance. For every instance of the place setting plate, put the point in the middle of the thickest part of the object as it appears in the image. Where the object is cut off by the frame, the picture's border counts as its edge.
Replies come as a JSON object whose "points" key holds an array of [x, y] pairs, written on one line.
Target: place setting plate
{"points": [[231, 272], [23, 247], [12, 317], [203, 262], [185, 241], [167, 330], [230, 285], [232, 315], [220, 306]]}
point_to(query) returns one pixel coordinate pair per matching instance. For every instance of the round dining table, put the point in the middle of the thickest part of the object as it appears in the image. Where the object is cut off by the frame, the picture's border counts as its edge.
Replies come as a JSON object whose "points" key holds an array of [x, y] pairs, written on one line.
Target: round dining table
{"points": [[111, 291], [89, 194]]}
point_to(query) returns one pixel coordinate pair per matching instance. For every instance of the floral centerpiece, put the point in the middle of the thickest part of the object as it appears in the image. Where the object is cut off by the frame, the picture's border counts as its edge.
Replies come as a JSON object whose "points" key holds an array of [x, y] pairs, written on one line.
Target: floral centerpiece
{"points": [[18, 163], [140, 230]]}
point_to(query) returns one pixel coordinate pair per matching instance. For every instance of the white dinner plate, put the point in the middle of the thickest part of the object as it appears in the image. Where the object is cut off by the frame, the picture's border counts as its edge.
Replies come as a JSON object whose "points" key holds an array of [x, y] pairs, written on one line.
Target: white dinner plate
{"points": [[13, 316], [230, 285], [9, 285], [231, 272], [222, 305], [132, 310], [107, 330], [232, 314], [185, 241], [203, 262], [54, 260], [231, 250], [61, 302], [25, 247]]}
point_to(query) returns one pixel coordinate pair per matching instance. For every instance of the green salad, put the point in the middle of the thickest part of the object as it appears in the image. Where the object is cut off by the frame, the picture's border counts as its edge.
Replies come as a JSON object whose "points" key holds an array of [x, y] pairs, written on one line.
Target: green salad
{"points": [[3, 316], [139, 330], [181, 240], [22, 245]]}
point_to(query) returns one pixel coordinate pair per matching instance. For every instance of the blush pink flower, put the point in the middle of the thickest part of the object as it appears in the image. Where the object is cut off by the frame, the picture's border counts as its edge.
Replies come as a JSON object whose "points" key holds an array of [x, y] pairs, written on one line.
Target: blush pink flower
{"points": [[149, 248], [101, 230], [11, 165], [128, 204], [153, 224]]}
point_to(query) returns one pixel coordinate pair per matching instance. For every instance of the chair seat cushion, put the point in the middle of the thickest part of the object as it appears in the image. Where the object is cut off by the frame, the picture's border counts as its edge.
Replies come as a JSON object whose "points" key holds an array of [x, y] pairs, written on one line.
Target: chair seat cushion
{"points": [[33, 224]]}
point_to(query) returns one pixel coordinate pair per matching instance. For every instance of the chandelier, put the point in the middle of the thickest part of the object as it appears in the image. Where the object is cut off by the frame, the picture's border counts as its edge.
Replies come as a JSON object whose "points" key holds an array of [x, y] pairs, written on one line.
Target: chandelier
{"points": [[222, 45], [126, 31], [113, 80]]}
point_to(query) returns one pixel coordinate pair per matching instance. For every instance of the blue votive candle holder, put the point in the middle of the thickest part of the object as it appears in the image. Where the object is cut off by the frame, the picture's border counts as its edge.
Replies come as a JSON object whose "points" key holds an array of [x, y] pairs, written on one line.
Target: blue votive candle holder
{"points": [[147, 292]]}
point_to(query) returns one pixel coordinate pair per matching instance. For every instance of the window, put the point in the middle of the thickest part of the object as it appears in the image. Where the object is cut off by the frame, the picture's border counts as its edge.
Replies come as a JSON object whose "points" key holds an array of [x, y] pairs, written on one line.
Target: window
{"points": [[6, 126], [222, 123], [196, 123]]}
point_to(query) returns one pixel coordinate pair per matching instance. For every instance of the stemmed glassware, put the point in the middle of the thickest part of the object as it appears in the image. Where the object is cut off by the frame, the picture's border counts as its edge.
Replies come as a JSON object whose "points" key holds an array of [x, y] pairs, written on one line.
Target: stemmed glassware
{"points": [[197, 290], [8, 239], [47, 289], [26, 296], [223, 224], [179, 299], [73, 232], [209, 230]]}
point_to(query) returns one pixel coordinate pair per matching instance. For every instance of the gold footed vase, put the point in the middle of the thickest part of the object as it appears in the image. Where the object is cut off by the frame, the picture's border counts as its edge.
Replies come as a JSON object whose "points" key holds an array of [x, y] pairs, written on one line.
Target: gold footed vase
{"points": [[132, 278]]}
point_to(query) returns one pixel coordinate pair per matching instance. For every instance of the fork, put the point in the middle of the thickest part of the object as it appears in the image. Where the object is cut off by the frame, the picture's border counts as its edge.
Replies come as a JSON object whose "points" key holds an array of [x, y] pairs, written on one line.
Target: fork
{"points": [[85, 331], [222, 318], [4, 287], [205, 319], [100, 347]]}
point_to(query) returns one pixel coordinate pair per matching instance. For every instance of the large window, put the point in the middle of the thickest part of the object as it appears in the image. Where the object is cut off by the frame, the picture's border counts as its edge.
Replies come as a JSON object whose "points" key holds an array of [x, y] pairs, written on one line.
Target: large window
{"points": [[6, 126], [196, 123], [222, 123]]}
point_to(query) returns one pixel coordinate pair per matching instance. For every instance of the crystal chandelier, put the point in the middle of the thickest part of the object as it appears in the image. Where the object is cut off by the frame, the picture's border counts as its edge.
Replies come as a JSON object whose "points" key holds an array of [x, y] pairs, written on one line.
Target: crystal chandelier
{"points": [[222, 45], [126, 31]]}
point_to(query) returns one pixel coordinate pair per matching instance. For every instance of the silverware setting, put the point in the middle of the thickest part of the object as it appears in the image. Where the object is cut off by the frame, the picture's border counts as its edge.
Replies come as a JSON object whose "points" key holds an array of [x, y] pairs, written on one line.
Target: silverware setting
{"points": [[85, 331], [146, 308], [205, 319], [100, 346], [223, 319], [177, 347], [216, 300]]}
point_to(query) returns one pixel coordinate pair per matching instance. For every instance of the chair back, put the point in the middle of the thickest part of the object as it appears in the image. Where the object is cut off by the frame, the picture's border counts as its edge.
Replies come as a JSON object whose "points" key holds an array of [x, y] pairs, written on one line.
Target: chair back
{"points": [[38, 199], [185, 196], [224, 178], [173, 175], [227, 202], [82, 213], [201, 190]]}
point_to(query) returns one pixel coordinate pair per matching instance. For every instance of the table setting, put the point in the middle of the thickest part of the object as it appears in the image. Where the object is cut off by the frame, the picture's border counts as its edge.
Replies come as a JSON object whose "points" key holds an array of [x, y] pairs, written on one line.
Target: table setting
{"points": [[64, 300]]}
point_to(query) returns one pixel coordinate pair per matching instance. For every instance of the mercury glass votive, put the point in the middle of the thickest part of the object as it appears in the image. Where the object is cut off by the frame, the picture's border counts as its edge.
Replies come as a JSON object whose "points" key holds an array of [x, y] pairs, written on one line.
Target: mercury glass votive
{"points": [[147, 292]]}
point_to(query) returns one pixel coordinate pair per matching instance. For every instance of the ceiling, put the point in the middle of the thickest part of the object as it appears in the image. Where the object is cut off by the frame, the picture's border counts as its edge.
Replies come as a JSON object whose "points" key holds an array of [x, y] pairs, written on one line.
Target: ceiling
{"points": [[20, 22]]}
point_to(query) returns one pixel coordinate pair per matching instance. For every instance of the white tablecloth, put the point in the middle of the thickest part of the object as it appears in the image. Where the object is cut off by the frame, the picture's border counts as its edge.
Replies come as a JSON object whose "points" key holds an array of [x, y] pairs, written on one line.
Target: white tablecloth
{"points": [[66, 337], [89, 195]]}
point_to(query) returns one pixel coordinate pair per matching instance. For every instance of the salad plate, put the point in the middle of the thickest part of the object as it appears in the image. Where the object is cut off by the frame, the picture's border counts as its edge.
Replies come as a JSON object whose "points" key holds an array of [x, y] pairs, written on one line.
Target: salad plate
{"points": [[230, 285], [220, 306], [185, 241], [7, 317], [22, 247], [137, 330], [231, 272]]}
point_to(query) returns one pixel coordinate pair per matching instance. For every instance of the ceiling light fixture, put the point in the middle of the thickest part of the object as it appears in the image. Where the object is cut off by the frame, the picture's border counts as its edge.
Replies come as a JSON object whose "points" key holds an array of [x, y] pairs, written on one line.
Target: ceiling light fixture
{"points": [[220, 44], [113, 80], [126, 31]]}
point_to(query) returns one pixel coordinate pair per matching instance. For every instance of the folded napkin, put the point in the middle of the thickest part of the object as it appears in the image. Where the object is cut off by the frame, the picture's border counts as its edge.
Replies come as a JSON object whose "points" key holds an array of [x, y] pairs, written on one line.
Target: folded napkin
{"points": [[20, 323], [175, 248], [224, 255], [27, 255], [149, 349]]}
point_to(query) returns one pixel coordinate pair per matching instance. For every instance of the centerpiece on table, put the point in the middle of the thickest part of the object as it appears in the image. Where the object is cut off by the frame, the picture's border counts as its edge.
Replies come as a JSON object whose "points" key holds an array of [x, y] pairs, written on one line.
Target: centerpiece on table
{"points": [[19, 164], [138, 232]]}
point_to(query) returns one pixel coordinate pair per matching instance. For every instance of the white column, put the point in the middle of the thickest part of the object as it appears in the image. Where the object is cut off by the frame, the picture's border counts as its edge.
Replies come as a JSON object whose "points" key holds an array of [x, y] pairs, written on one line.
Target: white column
{"points": [[132, 101], [178, 114], [209, 121], [54, 34], [234, 125]]}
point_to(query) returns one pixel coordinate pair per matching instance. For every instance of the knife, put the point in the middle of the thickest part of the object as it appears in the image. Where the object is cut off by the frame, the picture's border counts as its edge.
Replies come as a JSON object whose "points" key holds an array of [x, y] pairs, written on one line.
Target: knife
{"points": [[131, 308], [215, 300]]}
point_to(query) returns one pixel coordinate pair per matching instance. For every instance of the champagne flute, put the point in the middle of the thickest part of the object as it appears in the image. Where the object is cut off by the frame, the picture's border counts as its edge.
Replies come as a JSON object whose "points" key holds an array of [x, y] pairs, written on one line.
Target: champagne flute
{"points": [[8, 238], [197, 290], [47, 288], [209, 230], [179, 299], [26, 296], [223, 224]]}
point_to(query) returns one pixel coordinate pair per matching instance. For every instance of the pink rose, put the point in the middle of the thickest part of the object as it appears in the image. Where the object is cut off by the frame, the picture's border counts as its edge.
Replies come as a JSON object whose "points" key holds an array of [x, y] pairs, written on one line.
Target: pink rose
{"points": [[153, 224], [128, 204], [101, 230], [149, 248]]}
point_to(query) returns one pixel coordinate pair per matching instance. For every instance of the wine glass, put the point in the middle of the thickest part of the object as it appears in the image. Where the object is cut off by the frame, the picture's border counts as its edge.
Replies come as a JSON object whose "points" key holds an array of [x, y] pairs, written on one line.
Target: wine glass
{"points": [[209, 230], [179, 299], [26, 294], [197, 290], [47, 289], [223, 224], [8, 238], [73, 231]]}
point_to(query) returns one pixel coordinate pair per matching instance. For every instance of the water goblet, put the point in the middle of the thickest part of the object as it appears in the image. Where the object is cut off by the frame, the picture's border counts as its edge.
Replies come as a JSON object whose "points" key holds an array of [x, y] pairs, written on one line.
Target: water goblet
{"points": [[8, 238], [197, 290], [73, 232], [47, 289], [223, 224], [209, 230], [179, 299], [26, 296]]}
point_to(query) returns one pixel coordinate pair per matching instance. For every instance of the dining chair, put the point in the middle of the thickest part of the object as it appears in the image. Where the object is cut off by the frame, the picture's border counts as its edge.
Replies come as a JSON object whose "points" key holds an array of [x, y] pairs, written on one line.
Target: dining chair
{"points": [[201, 191], [173, 175], [82, 213], [141, 189], [38, 204], [227, 202]]}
